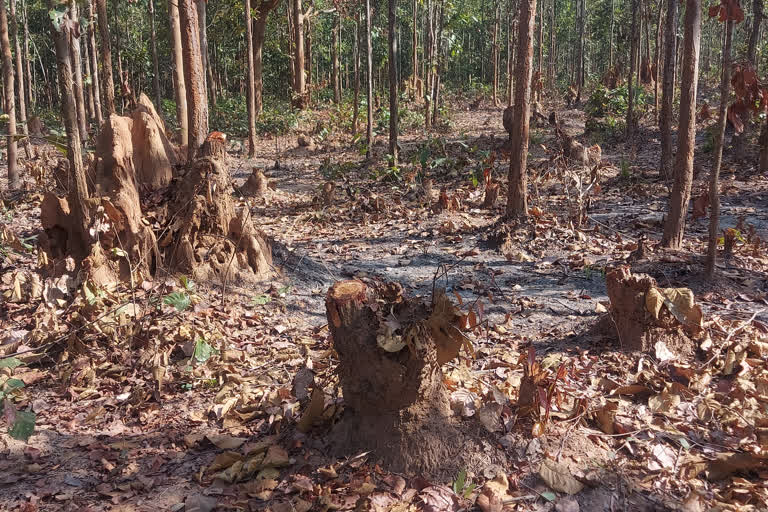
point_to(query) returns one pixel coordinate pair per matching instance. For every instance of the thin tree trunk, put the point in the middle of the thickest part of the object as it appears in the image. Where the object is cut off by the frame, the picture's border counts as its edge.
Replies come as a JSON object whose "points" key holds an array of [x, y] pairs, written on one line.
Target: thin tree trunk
{"points": [[674, 229], [194, 77], [77, 68], [27, 60], [510, 61], [259, 28], [438, 64], [19, 70], [202, 18], [415, 56], [754, 35], [308, 51], [180, 88], [369, 63], [89, 102], [14, 180], [657, 61], [336, 35], [551, 71], [610, 40], [299, 86], [121, 77], [668, 90], [714, 192], [79, 194], [517, 200], [356, 59], [635, 44], [251, 97], [580, 63], [93, 54], [155, 63], [106, 57], [495, 55], [541, 54], [393, 99]]}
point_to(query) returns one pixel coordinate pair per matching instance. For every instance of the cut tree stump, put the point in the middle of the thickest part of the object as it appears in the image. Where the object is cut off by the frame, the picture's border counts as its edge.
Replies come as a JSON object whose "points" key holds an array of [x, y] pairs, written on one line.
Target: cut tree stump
{"points": [[645, 314], [391, 349]]}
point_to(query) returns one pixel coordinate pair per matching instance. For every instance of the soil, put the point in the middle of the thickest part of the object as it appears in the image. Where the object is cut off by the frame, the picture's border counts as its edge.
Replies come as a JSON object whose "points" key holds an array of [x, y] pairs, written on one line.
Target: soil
{"points": [[110, 438]]}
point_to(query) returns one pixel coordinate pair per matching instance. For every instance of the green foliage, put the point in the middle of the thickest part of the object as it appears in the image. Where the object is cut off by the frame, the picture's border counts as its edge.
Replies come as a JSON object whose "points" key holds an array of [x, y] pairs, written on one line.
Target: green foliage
{"points": [[203, 351], [462, 486], [624, 167], [179, 300], [614, 102], [22, 423], [260, 300]]}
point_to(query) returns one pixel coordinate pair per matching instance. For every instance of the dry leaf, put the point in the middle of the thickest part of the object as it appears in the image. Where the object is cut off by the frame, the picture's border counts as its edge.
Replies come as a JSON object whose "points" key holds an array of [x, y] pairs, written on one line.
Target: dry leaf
{"points": [[314, 411], [559, 478]]}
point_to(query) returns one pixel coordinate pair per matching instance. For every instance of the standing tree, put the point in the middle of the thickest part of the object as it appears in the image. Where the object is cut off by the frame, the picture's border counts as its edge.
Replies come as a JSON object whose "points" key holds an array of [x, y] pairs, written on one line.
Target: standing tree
{"points": [[731, 13], [517, 200], [61, 25], [336, 34], [197, 99], [393, 99], [77, 69], [369, 79], [155, 63], [259, 28], [299, 78], [251, 93], [633, 61], [495, 56], [106, 57], [668, 90], [92, 55], [356, 63], [674, 229], [10, 101], [19, 67]]}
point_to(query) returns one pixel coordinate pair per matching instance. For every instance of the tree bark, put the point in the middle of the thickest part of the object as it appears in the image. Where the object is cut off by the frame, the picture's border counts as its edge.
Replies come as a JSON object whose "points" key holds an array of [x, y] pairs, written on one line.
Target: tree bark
{"points": [[495, 56], [674, 228], [202, 18], [90, 103], [106, 57], [77, 68], [369, 84], [754, 35], [541, 54], [415, 54], [356, 59], [27, 60], [155, 63], [180, 87], [714, 192], [657, 62], [259, 25], [79, 193], [14, 180], [634, 46], [299, 79], [393, 94], [517, 200], [580, 63], [336, 34], [14, 34], [194, 77], [251, 97], [93, 55], [668, 90]]}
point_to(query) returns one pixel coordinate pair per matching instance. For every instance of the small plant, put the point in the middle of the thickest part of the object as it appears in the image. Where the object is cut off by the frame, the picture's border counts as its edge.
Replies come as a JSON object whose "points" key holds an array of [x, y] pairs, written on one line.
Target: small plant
{"points": [[181, 299], [462, 486], [21, 424], [624, 169]]}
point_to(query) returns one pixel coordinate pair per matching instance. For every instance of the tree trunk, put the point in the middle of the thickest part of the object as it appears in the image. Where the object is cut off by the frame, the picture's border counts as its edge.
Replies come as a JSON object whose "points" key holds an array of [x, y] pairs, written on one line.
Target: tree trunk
{"points": [[14, 34], [438, 64], [79, 193], [155, 63], [674, 228], [580, 63], [259, 28], [634, 46], [202, 19], [194, 77], [299, 84], [336, 34], [356, 59], [90, 102], [415, 55], [610, 40], [14, 180], [121, 77], [27, 60], [393, 94], [754, 35], [517, 200], [510, 58], [552, 55], [251, 97], [668, 90], [93, 55], [428, 58], [180, 88], [106, 57], [77, 68], [308, 51], [541, 55], [714, 192], [495, 56], [369, 63]]}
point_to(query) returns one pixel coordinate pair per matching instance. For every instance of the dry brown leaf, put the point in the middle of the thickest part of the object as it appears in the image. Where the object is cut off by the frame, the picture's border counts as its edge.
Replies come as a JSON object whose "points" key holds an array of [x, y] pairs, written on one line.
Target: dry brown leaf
{"points": [[558, 477], [224, 460], [606, 416], [314, 411], [225, 442]]}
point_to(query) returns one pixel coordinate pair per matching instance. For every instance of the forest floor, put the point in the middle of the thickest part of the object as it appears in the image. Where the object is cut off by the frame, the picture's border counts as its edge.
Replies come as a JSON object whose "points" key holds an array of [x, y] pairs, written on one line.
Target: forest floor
{"points": [[152, 408]]}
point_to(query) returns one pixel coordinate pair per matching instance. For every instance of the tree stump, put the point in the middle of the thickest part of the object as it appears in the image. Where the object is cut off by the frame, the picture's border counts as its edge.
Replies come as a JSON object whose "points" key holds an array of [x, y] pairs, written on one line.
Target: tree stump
{"points": [[639, 324], [256, 185], [390, 352]]}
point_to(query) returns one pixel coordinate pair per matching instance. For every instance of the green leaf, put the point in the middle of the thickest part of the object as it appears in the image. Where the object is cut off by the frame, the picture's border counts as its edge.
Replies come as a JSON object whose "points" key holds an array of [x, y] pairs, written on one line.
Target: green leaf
{"points": [[178, 300], [260, 300], [203, 351], [24, 426], [12, 384], [282, 292], [10, 362], [458, 484], [187, 283], [119, 252], [549, 496]]}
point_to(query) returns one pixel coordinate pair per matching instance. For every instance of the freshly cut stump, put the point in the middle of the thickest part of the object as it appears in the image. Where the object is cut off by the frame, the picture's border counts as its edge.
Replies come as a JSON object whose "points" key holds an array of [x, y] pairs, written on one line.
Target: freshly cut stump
{"points": [[638, 324], [390, 351]]}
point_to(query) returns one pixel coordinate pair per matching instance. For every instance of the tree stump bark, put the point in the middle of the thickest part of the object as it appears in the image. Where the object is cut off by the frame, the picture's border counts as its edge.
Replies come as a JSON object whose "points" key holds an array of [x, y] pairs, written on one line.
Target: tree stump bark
{"points": [[390, 352], [638, 328]]}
